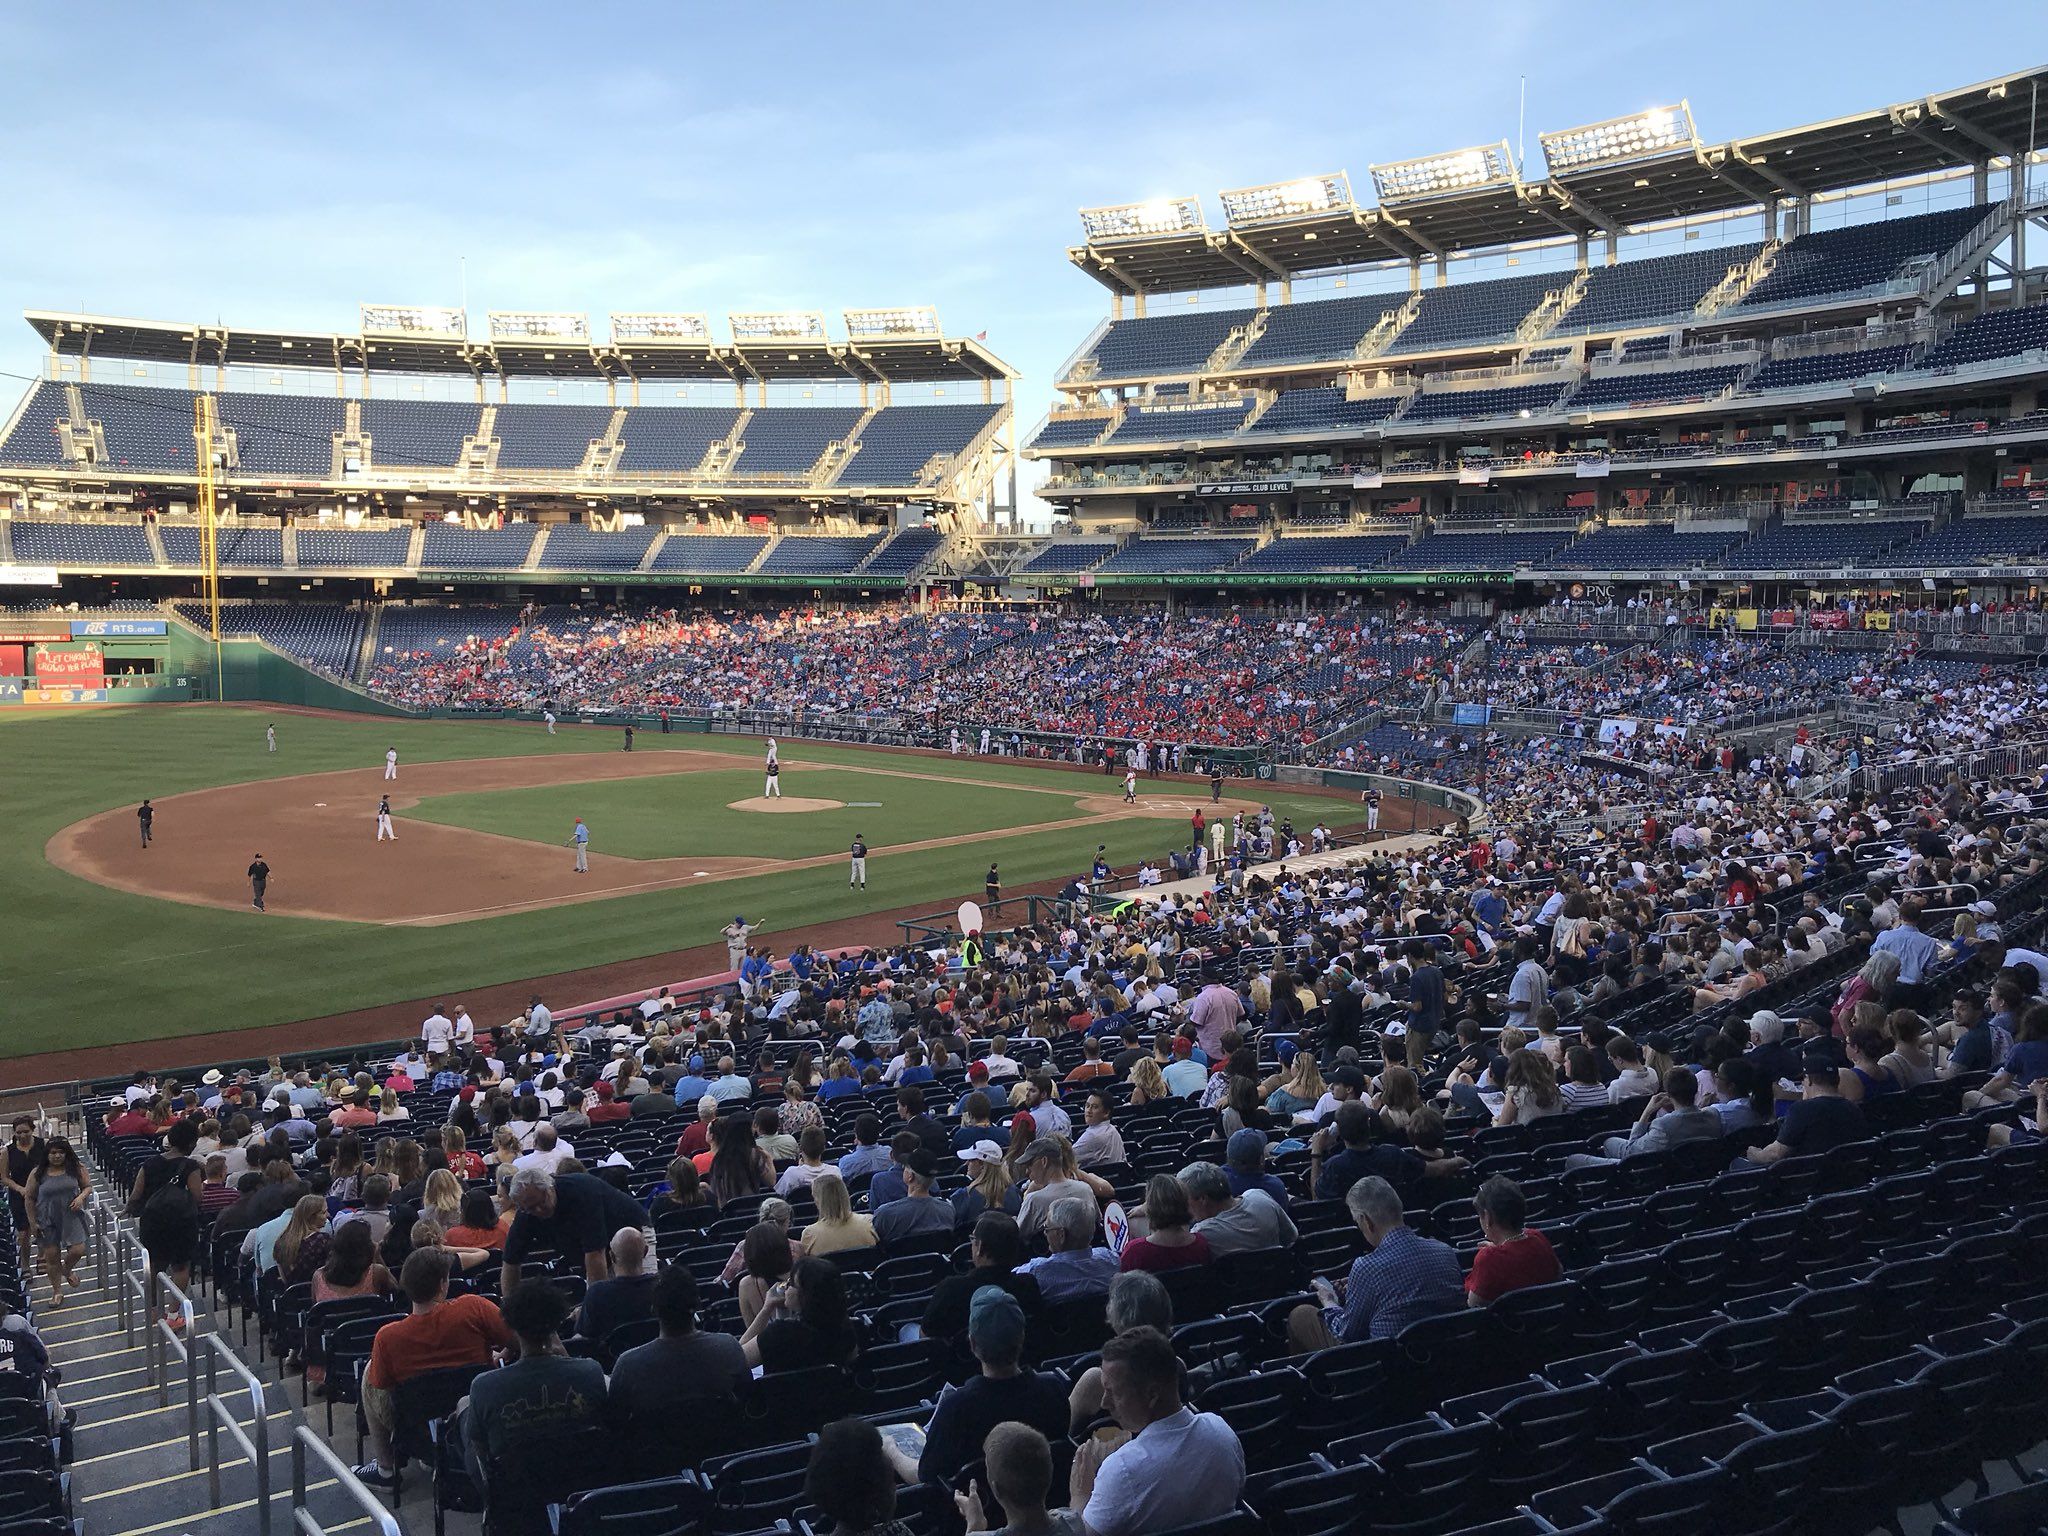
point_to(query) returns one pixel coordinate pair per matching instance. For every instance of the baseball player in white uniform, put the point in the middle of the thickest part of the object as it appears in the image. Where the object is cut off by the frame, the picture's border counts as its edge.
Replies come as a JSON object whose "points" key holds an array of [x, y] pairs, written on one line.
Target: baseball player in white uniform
{"points": [[1372, 810], [549, 716], [736, 933], [773, 789], [953, 741], [1130, 786], [270, 737], [384, 829], [391, 762], [1217, 837]]}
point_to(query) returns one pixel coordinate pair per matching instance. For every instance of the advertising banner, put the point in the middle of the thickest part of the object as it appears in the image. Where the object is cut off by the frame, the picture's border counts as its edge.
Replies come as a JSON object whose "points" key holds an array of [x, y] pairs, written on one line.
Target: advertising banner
{"points": [[1745, 618], [64, 695], [1471, 714], [111, 629], [1616, 730], [82, 667], [13, 661], [1877, 621], [1784, 618]]}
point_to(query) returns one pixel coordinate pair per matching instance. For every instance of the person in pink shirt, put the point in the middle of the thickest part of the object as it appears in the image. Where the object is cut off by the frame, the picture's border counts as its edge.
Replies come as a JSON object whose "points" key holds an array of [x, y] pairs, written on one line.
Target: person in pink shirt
{"points": [[1216, 1008]]}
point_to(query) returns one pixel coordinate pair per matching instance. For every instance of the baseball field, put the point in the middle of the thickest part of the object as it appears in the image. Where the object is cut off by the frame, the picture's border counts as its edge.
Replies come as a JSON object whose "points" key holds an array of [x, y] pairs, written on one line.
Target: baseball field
{"points": [[108, 942]]}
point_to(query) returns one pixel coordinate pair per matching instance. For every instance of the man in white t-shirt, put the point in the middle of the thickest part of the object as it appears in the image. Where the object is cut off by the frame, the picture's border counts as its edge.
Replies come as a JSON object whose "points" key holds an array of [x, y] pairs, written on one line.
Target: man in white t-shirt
{"points": [[1178, 1468], [437, 1032], [549, 1150]]}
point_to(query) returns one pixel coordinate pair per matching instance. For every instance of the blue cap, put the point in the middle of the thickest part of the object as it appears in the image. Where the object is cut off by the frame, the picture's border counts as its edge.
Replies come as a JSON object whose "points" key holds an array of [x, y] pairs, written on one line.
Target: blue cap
{"points": [[1286, 1050], [697, 1063]]}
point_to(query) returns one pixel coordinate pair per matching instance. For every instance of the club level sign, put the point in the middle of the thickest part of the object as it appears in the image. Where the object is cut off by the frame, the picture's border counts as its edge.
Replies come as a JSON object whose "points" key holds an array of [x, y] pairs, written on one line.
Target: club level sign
{"points": [[1245, 488]]}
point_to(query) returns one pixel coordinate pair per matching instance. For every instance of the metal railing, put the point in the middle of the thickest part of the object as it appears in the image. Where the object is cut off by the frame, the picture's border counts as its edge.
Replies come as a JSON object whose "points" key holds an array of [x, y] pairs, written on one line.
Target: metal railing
{"points": [[254, 1442], [303, 1441]]}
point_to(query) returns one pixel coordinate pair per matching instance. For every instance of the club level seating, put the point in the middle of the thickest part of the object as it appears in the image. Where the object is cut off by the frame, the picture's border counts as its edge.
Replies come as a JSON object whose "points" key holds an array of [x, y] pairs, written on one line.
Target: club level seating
{"points": [[1179, 519], [710, 553], [1322, 410], [34, 439], [353, 546], [448, 548], [579, 547], [819, 554], [287, 435], [83, 544], [1161, 344], [257, 548], [1451, 404], [789, 439], [324, 635], [1977, 541], [1479, 551], [1659, 547], [1336, 552], [904, 552], [1643, 348], [1172, 426], [1841, 263], [1814, 546], [1651, 289], [422, 432], [2004, 333], [1069, 555], [403, 628], [895, 447], [672, 439], [1468, 313], [1177, 556], [1319, 330], [1825, 368], [535, 436], [1622, 390]]}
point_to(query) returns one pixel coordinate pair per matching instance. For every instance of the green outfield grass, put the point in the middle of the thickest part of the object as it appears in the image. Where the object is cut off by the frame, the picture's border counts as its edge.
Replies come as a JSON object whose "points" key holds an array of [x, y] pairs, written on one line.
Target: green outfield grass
{"points": [[669, 817], [84, 965]]}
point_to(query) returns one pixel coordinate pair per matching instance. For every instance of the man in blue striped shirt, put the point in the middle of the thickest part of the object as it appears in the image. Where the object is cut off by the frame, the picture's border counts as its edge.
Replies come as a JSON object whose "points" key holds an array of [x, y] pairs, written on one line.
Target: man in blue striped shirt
{"points": [[1402, 1278]]}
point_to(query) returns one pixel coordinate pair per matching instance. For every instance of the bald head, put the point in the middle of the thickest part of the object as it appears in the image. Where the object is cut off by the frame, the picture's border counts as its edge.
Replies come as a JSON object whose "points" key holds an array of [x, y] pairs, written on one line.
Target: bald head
{"points": [[629, 1252]]}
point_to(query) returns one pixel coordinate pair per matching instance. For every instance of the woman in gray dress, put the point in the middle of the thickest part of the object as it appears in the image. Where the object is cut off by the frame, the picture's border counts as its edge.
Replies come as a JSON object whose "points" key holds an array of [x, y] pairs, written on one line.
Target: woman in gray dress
{"points": [[56, 1204]]}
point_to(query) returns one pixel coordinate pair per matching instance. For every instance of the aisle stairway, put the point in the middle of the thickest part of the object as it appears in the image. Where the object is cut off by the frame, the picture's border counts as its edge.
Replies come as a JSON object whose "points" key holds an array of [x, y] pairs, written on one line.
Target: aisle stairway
{"points": [[153, 1451]]}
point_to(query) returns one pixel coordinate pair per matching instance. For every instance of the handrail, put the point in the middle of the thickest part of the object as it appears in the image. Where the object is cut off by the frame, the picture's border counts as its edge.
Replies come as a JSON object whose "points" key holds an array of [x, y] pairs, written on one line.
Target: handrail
{"points": [[219, 1417], [163, 1339], [303, 1440]]}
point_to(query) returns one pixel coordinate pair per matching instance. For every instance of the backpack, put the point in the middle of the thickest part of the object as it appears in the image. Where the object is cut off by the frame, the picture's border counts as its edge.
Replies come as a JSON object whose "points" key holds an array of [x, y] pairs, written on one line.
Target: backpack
{"points": [[171, 1210]]}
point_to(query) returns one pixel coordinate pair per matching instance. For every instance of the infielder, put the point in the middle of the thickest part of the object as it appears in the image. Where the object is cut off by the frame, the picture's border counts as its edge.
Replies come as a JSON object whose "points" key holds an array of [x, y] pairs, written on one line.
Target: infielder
{"points": [[1130, 786], [736, 933], [384, 820], [580, 841], [391, 762], [270, 736], [549, 716], [857, 871]]}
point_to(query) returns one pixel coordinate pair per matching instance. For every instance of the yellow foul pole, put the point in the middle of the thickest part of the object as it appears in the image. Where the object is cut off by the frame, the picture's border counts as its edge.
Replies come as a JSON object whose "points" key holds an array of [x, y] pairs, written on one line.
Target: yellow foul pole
{"points": [[209, 534]]}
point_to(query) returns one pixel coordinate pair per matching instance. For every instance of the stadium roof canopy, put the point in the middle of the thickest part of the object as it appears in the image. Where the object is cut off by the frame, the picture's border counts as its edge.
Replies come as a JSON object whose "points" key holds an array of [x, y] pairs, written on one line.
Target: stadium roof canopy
{"points": [[1602, 179], [886, 346]]}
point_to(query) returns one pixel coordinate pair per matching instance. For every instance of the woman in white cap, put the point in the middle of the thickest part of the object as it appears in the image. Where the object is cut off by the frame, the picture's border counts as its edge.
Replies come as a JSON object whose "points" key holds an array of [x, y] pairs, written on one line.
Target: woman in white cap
{"points": [[989, 1185]]}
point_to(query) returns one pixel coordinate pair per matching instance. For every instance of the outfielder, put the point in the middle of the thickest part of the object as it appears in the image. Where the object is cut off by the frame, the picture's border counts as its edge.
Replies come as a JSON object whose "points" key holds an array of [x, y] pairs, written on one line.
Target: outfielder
{"points": [[580, 841], [549, 716], [270, 736], [857, 870], [384, 820], [391, 762]]}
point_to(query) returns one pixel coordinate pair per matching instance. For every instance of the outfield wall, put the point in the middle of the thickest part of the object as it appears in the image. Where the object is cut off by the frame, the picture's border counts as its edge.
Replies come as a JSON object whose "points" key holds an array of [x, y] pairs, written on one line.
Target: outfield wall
{"points": [[248, 670]]}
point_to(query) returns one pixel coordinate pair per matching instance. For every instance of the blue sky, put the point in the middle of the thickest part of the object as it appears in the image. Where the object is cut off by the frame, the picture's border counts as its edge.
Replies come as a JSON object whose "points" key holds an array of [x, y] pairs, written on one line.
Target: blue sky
{"points": [[273, 165]]}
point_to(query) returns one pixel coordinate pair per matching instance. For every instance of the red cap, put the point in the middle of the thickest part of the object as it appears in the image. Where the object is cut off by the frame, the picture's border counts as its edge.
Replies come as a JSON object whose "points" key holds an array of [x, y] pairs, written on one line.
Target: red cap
{"points": [[978, 1071], [606, 1091], [466, 1092], [1183, 1046]]}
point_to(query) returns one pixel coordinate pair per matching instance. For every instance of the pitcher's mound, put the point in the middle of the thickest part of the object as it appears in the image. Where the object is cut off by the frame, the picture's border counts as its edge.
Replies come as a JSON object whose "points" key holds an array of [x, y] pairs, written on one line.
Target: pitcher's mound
{"points": [[782, 805]]}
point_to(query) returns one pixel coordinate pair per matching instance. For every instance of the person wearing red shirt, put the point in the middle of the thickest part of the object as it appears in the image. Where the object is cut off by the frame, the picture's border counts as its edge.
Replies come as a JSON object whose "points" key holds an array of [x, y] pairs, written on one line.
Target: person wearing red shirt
{"points": [[354, 1113], [1514, 1256], [607, 1107], [131, 1121], [442, 1332]]}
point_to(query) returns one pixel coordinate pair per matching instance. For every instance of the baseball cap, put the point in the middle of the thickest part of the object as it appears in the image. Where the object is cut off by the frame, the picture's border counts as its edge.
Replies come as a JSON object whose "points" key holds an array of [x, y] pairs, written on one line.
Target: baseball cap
{"points": [[1984, 908], [983, 1152], [1246, 1148], [995, 1323], [923, 1164], [1286, 1051], [466, 1093], [977, 1072], [606, 1091], [1350, 1077], [1183, 1047]]}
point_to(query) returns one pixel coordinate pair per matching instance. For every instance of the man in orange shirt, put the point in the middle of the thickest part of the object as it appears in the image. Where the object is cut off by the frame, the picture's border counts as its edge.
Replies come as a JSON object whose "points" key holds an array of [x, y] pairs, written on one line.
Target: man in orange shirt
{"points": [[442, 1332], [1092, 1065]]}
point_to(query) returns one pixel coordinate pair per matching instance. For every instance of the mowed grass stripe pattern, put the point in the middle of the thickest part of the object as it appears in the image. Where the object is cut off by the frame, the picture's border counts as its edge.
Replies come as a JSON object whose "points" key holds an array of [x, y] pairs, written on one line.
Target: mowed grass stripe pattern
{"points": [[670, 816], [86, 965]]}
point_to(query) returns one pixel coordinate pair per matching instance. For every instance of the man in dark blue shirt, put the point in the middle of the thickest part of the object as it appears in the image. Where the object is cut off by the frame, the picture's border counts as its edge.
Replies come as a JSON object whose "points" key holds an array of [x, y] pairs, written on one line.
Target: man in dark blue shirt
{"points": [[1425, 1002], [1333, 1172], [1821, 1121]]}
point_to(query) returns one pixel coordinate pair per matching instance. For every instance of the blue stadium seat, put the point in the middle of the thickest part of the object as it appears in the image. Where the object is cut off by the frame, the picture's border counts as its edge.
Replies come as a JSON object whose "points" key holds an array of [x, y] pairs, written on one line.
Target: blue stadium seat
{"points": [[1451, 404], [324, 635], [672, 439], [353, 546], [291, 436], [34, 438], [1658, 547], [788, 440], [1162, 344], [1825, 368], [904, 552], [144, 427], [1974, 541], [1469, 313], [1175, 556], [1651, 290], [1857, 259], [1177, 424], [1446, 551], [86, 545], [1070, 431], [1319, 330], [534, 436], [819, 554], [1322, 410], [2003, 333], [1620, 390], [579, 547], [895, 447], [449, 548], [251, 548], [1333, 552], [1064, 555], [422, 432], [710, 553]]}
